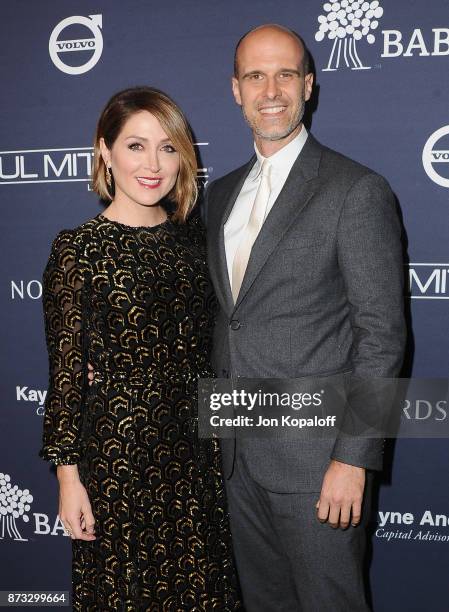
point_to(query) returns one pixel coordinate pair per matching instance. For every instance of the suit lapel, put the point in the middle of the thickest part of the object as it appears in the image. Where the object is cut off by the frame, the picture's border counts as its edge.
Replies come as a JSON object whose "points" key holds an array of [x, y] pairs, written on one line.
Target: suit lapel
{"points": [[296, 193], [217, 261]]}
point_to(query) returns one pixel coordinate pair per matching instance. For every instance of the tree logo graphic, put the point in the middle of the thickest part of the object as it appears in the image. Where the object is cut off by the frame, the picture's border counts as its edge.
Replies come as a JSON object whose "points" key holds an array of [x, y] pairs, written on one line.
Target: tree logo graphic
{"points": [[14, 502], [345, 23]]}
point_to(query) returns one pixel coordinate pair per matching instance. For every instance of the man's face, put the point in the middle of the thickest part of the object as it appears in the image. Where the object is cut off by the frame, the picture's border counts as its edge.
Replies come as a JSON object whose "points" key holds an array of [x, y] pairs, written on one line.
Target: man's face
{"points": [[271, 87]]}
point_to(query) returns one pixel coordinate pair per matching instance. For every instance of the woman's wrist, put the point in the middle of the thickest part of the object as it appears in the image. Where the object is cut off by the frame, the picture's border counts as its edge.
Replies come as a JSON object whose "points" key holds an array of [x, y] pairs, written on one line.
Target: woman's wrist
{"points": [[67, 473]]}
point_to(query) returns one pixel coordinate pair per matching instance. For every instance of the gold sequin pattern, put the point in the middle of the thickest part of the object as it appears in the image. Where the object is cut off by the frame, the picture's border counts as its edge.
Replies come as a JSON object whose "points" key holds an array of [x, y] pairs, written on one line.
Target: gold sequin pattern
{"points": [[138, 304]]}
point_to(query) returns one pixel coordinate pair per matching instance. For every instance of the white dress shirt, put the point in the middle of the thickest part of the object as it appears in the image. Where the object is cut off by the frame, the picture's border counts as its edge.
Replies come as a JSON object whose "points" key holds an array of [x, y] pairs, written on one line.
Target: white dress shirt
{"points": [[281, 164]]}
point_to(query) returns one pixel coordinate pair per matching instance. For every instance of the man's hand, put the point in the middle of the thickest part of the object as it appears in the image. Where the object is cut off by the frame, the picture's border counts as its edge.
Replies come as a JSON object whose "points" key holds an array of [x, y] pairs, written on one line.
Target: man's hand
{"points": [[90, 373], [341, 495]]}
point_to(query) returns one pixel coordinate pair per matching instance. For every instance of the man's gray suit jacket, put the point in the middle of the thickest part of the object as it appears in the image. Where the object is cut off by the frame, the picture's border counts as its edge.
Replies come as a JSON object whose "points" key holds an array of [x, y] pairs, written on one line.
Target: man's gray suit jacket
{"points": [[322, 296]]}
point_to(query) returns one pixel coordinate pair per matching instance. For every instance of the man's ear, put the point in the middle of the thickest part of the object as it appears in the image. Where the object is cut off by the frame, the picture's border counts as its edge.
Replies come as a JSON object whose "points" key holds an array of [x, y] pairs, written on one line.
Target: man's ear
{"points": [[236, 91], [308, 86]]}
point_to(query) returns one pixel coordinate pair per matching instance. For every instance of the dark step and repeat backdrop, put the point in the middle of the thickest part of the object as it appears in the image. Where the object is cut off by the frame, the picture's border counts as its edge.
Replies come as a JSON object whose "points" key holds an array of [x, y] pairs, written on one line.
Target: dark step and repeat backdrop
{"points": [[381, 98]]}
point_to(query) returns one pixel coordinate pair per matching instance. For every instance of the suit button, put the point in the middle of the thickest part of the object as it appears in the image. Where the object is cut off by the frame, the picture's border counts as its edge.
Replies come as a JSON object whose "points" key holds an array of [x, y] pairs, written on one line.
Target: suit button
{"points": [[235, 324]]}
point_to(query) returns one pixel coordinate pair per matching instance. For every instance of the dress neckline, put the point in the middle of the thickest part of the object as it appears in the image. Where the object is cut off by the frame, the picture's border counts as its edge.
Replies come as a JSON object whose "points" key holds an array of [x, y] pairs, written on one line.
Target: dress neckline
{"points": [[165, 223]]}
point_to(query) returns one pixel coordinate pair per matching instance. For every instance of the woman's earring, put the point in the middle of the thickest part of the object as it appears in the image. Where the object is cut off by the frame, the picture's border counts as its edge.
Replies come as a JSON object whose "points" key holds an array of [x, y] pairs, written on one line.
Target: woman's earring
{"points": [[108, 175]]}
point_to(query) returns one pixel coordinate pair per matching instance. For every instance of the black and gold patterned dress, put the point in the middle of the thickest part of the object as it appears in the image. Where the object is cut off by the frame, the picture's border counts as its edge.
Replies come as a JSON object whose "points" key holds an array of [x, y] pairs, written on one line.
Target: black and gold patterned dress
{"points": [[137, 303]]}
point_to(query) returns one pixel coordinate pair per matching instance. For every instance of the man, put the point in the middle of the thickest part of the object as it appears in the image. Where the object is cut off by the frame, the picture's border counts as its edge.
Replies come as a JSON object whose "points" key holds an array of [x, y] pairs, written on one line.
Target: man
{"points": [[305, 255]]}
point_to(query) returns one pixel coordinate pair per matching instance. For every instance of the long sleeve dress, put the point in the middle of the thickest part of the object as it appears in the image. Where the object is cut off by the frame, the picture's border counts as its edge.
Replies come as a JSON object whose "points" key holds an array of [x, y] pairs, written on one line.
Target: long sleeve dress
{"points": [[137, 303]]}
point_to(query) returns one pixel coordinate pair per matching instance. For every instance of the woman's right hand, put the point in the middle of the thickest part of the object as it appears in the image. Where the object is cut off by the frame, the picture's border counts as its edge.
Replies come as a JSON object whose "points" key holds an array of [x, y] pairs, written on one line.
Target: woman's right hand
{"points": [[75, 510]]}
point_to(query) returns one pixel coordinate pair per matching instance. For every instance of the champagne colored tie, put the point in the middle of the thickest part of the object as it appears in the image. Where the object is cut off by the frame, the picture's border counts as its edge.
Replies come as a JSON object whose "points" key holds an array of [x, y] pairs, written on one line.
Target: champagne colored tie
{"points": [[252, 230]]}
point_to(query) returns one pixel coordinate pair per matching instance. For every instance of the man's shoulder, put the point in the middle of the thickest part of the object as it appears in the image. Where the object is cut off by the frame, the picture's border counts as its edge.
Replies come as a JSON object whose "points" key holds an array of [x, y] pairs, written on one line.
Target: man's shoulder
{"points": [[333, 166], [338, 166], [230, 179]]}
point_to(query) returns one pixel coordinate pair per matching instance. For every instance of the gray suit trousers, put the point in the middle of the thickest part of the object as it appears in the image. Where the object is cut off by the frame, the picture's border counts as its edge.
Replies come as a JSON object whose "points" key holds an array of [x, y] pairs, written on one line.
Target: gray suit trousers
{"points": [[286, 559]]}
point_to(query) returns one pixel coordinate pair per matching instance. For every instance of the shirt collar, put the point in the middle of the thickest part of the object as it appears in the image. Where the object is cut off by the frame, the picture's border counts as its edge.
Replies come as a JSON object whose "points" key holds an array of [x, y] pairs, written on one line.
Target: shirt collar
{"points": [[284, 158]]}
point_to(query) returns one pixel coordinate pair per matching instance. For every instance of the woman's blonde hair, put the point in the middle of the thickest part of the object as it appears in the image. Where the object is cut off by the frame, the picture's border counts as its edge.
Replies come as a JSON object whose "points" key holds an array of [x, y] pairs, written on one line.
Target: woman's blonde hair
{"points": [[117, 111]]}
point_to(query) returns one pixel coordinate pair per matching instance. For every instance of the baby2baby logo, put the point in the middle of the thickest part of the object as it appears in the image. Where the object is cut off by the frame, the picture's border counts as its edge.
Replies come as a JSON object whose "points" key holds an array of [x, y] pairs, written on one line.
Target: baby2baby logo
{"points": [[16, 518], [345, 23], [349, 27]]}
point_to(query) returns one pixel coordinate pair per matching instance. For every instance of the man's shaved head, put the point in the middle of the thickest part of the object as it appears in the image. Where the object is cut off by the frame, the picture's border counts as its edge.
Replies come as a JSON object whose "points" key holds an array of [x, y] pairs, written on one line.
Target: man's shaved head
{"points": [[273, 27]]}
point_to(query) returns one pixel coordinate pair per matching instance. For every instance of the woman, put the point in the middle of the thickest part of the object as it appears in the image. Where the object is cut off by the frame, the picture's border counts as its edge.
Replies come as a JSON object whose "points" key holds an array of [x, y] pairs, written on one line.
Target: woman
{"points": [[128, 291]]}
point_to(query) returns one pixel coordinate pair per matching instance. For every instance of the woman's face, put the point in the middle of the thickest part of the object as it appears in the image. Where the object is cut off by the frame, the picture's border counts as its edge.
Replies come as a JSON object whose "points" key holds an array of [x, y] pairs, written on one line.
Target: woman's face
{"points": [[143, 161]]}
